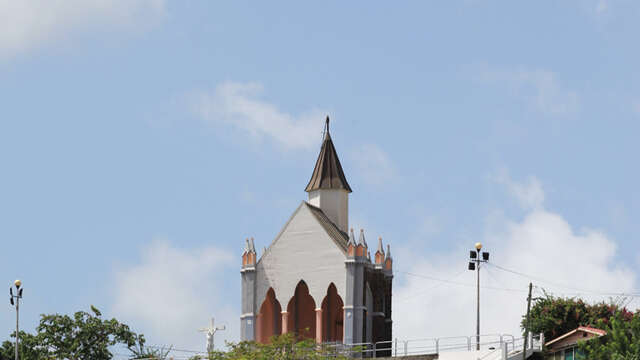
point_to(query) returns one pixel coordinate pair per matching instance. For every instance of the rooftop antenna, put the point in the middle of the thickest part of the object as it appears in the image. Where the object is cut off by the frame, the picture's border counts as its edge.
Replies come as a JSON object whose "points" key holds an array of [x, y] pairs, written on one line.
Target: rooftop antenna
{"points": [[211, 331]]}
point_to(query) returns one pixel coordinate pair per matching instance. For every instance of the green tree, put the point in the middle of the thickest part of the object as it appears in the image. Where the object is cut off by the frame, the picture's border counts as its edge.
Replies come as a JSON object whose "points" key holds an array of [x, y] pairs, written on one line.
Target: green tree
{"points": [[144, 352], [29, 348], [555, 316], [85, 336], [622, 341], [283, 347]]}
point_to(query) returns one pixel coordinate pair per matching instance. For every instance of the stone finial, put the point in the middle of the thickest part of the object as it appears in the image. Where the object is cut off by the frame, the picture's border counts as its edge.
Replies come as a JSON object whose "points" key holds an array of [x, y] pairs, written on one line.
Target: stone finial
{"points": [[379, 257], [252, 246], [369, 256], [352, 238], [362, 241], [247, 246], [388, 261]]}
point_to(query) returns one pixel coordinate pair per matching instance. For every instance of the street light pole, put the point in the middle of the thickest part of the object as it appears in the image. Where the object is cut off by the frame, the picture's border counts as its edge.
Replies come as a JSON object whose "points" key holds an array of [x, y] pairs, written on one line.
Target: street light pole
{"points": [[474, 264], [478, 306], [16, 302]]}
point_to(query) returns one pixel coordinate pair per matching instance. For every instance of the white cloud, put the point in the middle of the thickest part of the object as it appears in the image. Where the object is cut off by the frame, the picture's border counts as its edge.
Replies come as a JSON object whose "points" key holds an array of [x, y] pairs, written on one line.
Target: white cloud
{"points": [[529, 195], [540, 88], [173, 292], [26, 24], [238, 104], [543, 245], [373, 164]]}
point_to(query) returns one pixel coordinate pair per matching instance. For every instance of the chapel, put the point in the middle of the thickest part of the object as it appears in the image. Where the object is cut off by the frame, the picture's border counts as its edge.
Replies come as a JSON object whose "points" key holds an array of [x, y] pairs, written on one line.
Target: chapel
{"points": [[318, 279]]}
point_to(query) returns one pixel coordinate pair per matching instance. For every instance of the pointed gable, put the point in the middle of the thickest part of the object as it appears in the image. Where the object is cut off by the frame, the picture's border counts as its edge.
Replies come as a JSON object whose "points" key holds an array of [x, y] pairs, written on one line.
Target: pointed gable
{"points": [[309, 247], [328, 173]]}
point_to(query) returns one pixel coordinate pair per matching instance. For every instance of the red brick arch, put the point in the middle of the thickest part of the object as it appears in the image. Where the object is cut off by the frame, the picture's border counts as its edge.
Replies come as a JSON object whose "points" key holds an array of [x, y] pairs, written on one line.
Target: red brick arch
{"points": [[332, 316], [302, 314], [268, 322]]}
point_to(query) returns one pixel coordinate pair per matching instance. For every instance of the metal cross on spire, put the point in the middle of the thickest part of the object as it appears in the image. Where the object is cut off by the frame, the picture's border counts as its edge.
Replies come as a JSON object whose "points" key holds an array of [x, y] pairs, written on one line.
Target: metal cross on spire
{"points": [[210, 331]]}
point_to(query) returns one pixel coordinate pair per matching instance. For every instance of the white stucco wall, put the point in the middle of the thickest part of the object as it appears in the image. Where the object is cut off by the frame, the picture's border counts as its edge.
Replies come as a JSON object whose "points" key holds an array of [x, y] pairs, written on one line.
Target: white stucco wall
{"points": [[334, 203], [302, 251]]}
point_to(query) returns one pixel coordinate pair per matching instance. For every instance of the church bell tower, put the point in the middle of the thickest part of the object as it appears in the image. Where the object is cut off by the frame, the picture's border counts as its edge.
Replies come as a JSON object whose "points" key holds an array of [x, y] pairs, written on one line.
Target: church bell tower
{"points": [[328, 188]]}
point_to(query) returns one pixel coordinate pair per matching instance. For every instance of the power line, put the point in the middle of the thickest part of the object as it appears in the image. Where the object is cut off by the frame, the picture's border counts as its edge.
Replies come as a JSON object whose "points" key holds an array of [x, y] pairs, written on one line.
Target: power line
{"points": [[450, 281], [581, 291], [459, 283], [415, 295]]}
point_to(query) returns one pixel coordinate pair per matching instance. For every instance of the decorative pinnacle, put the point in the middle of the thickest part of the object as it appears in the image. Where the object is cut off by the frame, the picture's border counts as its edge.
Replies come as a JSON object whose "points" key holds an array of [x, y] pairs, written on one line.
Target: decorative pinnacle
{"points": [[252, 248], [388, 252], [362, 241], [352, 238], [247, 247], [380, 247]]}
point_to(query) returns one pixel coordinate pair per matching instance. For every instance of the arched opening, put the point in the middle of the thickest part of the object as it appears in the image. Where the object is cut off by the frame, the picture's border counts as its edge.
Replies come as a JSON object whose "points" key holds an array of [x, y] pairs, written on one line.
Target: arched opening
{"points": [[268, 319], [332, 316], [302, 313]]}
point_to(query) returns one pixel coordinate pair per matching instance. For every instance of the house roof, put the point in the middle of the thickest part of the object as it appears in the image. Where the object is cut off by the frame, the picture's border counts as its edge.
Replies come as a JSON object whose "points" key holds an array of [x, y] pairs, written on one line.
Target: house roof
{"points": [[328, 173], [586, 329]]}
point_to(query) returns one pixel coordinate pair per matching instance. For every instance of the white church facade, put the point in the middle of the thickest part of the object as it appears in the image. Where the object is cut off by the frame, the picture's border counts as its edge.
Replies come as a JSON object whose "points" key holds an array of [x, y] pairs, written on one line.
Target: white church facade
{"points": [[316, 280]]}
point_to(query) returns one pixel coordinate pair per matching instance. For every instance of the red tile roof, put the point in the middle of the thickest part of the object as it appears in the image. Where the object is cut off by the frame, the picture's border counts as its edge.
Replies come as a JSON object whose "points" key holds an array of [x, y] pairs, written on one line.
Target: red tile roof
{"points": [[592, 330], [586, 329]]}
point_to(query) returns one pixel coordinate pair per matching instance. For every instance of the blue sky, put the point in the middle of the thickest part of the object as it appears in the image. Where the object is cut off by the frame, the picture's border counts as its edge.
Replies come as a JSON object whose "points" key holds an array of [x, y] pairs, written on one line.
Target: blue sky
{"points": [[142, 141]]}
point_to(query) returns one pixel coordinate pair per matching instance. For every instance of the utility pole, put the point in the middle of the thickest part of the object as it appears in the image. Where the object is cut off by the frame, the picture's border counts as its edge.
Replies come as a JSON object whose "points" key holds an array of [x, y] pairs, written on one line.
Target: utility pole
{"points": [[474, 264], [526, 326], [17, 298]]}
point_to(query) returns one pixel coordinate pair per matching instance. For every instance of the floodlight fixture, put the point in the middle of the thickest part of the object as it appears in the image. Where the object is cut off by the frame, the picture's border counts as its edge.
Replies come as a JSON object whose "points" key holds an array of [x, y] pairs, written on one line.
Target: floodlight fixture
{"points": [[485, 256]]}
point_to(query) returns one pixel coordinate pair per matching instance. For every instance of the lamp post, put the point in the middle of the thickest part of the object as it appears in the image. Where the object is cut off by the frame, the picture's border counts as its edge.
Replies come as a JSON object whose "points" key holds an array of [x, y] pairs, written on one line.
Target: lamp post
{"points": [[15, 300], [474, 264]]}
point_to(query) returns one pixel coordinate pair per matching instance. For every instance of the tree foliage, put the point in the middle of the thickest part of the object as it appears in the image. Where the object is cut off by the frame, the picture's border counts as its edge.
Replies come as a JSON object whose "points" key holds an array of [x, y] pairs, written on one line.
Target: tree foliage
{"points": [[555, 316], [283, 347], [621, 342], [29, 348], [84, 336]]}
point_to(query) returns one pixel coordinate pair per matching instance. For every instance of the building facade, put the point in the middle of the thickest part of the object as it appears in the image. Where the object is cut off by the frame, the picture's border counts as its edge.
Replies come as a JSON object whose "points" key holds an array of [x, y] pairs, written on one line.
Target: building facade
{"points": [[316, 279], [565, 347]]}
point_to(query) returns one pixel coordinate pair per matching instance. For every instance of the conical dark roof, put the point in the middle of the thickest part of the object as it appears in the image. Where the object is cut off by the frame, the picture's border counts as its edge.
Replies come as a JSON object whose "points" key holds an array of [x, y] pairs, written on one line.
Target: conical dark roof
{"points": [[328, 172]]}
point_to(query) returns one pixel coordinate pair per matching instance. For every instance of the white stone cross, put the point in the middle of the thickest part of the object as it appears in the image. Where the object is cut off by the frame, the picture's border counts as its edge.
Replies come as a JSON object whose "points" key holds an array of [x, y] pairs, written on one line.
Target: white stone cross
{"points": [[211, 330]]}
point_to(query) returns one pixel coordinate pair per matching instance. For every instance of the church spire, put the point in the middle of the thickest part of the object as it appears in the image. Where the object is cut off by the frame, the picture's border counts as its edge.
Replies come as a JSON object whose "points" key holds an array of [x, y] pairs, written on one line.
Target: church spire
{"points": [[327, 173]]}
